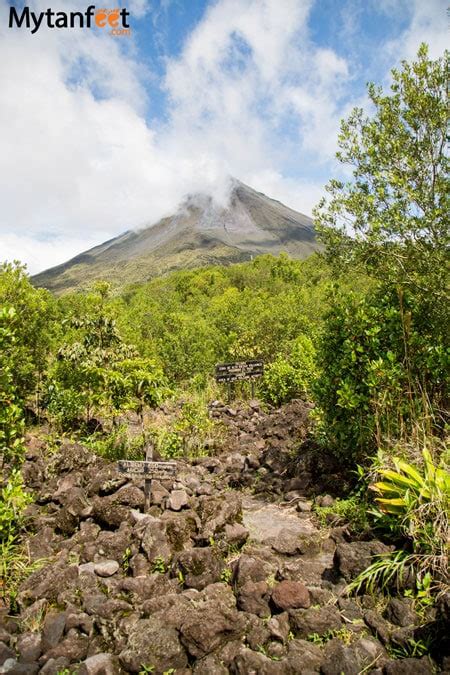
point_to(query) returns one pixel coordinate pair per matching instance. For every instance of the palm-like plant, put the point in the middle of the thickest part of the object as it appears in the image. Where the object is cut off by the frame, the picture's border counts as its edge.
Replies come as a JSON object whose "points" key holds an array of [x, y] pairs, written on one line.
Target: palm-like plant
{"points": [[406, 488]]}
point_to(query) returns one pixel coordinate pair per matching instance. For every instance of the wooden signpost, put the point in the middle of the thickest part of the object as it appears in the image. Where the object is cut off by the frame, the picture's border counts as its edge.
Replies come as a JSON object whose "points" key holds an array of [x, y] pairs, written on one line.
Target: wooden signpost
{"points": [[149, 469], [239, 371]]}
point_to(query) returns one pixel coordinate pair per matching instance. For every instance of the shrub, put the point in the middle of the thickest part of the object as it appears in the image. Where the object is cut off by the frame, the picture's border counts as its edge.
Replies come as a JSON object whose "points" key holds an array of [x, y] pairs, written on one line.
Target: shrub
{"points": [[13, 502], [64, 406], [290, 376], [382, 365]]}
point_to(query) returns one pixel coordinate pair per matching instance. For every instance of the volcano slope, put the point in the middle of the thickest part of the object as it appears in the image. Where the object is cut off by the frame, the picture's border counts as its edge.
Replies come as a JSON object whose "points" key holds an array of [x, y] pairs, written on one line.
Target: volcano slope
{"points": [[228, 572], [200, 233]]}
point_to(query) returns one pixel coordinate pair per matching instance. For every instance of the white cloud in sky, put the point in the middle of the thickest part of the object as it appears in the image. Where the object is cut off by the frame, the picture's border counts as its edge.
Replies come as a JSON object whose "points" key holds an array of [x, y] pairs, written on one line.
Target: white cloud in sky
{"points": [[80, 163]]}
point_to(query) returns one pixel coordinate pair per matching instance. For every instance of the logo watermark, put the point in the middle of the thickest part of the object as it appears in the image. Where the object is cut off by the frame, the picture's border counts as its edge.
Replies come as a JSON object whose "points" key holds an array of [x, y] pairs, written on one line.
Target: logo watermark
{"points": [[115, 21]]}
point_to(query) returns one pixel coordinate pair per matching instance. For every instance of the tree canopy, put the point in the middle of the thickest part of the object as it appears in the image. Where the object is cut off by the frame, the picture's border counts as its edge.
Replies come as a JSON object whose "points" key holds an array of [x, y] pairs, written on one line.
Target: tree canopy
{"points": [[391, 217]]}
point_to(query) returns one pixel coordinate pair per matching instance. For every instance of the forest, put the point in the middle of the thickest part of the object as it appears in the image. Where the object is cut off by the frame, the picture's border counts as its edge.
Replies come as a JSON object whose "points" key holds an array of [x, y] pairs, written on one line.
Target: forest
{"points": [[358, 332]]}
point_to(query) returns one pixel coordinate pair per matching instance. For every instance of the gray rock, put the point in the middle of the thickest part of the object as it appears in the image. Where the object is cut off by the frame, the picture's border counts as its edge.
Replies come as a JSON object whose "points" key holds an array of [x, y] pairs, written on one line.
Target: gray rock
{"points": [[421, 666], [200, 567], [252, 568], [369, 651], [210, 627], [158, 493], [236, 534], [400, 612], [379, 626], [248, 661], [152, 641], [106, 568], [81, 621], [210, 665], [16, 668], [216, 512], [339, 659], [5, 653], [54, 666], [29, 647], [86, 568], [129, 495], [304, 622], [325, 500], [353, 558], [279, 626], [178, 500], [100, 664], [74, 647], [53, 630], [154, 540], [257, 632], [48, 582], [303, 657], [254, 598], [108, 511]]}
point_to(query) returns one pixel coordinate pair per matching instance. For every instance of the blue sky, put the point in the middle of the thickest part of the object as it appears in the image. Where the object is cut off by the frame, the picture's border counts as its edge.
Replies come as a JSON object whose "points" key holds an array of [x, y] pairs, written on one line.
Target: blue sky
{"points": [[101, 134]]}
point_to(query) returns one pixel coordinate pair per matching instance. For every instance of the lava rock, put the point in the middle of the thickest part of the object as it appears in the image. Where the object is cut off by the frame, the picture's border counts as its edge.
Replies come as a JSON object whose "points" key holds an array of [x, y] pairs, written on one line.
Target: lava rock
{"points": [[254, 598], [304, 622], [178, 500], [106, 568], [353, 558], [99, 664], [153, 641], [200, 567], [421, 666], [291, 595], [29, 647], [399, 611], [236, 534]]}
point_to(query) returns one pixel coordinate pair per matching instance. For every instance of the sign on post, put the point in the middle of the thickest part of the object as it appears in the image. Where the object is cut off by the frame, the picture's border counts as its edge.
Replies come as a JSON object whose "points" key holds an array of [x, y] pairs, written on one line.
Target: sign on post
{"points": [[149, 469], [159, 470], [239, 371]]}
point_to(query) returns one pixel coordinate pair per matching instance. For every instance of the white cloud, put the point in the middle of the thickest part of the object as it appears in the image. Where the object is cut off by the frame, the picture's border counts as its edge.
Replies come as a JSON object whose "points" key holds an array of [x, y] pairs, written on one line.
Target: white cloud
{"points": [[428, 23], [138, 8], [249, 92]]}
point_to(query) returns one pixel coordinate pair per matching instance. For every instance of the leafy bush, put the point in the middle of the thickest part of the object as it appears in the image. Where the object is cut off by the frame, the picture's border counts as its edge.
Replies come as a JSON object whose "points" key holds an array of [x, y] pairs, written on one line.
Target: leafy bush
{"points": [[382, 372], [13, 503], [115, 445], [11, 406], [64, 406], [292, 376], [189, 432]]}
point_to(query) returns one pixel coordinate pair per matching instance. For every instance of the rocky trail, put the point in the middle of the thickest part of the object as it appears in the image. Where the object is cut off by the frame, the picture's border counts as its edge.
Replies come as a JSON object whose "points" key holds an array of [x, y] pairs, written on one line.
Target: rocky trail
{"points": [[228, 571]]}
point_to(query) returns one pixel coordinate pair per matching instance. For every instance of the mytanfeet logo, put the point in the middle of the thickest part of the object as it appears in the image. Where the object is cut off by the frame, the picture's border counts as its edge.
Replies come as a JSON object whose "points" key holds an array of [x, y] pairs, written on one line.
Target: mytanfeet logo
{"points": [[115, 21]]}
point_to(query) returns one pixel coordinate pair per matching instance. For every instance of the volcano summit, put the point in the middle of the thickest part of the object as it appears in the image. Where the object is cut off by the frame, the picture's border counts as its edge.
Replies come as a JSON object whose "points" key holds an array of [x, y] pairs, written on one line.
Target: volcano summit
{"points": [[200, 233]]}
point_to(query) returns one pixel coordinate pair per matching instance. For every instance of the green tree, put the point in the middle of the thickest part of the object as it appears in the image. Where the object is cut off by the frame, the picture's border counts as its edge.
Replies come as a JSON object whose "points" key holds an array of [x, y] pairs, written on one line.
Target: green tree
{"points": [[383, 357], [11, 409], [33, 322], [391, 218]]}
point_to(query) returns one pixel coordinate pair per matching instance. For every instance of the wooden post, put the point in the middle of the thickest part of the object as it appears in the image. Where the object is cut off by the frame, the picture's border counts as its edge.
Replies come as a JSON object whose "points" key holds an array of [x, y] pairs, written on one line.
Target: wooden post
{"points": [[253, 388], [148, 481]]}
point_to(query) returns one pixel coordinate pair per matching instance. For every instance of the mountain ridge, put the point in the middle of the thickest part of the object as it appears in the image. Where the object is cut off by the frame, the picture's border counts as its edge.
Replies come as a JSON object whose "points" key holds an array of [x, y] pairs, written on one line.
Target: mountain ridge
{"points": [[200, 233]]}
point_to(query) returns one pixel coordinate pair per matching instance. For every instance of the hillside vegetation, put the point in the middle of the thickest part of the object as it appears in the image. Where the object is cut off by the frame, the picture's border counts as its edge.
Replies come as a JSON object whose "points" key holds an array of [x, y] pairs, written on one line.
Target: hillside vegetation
{"points": [[353, 402]]}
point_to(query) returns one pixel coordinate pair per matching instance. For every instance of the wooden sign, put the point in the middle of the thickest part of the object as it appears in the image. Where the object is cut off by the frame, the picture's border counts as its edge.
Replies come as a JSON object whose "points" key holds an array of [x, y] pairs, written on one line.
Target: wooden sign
{"points": [[159, 470], [241, 370]]}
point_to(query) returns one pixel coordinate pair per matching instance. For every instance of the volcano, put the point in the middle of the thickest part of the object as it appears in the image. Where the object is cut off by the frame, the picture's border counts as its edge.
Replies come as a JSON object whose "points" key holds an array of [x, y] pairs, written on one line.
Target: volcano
{"points": [[200, 233]]}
